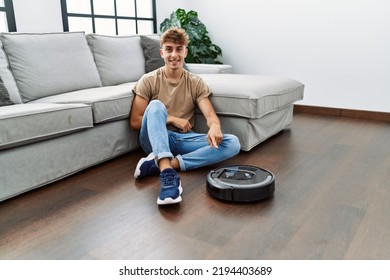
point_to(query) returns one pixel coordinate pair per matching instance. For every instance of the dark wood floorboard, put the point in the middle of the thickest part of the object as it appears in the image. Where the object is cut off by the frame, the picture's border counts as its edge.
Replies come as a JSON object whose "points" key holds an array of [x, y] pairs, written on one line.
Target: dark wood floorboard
{"points": [[332, 201]]}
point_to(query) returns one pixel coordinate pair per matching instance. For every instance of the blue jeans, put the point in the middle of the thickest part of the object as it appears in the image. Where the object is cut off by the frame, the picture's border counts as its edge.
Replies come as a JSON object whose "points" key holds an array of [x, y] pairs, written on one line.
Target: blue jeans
{"points": [[191, 149]]}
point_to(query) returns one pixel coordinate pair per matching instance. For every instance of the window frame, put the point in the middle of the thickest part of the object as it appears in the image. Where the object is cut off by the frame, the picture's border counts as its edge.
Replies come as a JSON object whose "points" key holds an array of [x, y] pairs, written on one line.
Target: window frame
{"points": [[8, 8], [92, 16]]}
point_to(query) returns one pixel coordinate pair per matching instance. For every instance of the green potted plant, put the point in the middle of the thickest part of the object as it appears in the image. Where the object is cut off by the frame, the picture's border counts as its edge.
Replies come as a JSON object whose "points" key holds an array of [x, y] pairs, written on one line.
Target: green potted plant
{"points": [[200, 47]]}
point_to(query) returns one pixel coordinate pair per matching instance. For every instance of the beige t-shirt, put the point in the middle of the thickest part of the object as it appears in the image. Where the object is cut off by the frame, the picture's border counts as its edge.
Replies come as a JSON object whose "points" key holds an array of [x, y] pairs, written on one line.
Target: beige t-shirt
{"points": [[180, 99]]}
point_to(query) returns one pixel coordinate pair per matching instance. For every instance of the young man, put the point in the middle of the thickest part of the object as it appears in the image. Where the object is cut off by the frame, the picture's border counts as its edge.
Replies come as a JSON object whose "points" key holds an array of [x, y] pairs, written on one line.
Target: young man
{"points": [[163, 111]]}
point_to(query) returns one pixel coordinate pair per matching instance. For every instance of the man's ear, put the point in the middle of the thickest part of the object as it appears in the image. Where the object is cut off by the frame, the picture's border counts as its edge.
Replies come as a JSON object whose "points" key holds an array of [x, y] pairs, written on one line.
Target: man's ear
{"points": [[161, 53]]}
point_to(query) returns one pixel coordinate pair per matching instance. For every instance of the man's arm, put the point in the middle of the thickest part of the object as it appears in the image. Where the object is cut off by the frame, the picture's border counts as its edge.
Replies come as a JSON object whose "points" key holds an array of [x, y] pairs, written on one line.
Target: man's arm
{"points": [[214, 135], [137, 111], [182, 124]]}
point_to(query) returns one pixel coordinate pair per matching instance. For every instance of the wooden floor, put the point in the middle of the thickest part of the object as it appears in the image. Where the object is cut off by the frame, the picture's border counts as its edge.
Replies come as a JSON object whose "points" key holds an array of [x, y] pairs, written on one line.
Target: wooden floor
{"points": [[332, 201]]}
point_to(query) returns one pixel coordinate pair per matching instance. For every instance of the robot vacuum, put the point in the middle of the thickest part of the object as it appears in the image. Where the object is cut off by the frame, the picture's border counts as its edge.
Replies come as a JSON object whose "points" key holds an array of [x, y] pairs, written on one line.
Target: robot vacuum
{"points": [[240, 183]]}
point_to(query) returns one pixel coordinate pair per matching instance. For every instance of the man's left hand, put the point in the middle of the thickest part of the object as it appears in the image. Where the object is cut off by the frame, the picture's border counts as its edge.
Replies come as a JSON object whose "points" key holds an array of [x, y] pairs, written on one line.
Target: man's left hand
{"points": [[214, 136]]}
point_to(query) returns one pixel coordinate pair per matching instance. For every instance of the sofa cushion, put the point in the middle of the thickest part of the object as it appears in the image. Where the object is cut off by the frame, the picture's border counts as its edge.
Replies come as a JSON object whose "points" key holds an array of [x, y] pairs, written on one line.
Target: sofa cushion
{"points": [[4, 95], [151, 49], [108, 103], [27, 123], [197, 68], [119, 59], [50, 63], [251, 96], [8, 78]]}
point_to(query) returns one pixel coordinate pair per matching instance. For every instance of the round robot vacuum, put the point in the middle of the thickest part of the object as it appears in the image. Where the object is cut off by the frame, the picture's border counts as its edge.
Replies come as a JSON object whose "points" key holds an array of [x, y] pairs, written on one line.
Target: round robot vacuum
{"points": [[240, 183]]}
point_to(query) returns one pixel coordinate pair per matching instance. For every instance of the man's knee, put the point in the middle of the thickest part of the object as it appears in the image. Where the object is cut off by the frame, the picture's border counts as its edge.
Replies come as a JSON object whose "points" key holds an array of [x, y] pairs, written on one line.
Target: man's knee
{"points": [[156, 104], [233, 144], [155, 107]]}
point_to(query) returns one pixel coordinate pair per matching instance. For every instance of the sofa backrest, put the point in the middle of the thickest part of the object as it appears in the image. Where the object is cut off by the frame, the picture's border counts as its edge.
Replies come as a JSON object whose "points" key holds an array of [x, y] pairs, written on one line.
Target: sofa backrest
{"points": [[46, 64], [119, 59], [37, 65]]}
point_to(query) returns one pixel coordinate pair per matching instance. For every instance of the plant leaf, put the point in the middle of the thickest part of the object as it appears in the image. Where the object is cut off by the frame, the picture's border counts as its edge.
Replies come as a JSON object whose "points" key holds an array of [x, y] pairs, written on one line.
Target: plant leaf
{"points": [[200, 47]]}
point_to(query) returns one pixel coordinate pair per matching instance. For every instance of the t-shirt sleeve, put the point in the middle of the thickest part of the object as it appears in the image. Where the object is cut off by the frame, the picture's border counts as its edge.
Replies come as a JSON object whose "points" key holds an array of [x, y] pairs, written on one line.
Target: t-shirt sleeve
{"points": [[143, 88], [202, 91]]}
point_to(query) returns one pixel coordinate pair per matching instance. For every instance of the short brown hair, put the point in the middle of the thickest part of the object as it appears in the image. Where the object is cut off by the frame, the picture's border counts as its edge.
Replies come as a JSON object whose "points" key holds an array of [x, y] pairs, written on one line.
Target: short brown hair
{"points": [[175, 35]]}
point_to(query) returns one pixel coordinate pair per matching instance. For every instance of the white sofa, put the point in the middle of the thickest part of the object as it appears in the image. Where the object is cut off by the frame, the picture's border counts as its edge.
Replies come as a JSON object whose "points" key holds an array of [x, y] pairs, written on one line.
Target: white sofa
{"points": [[72, 95]]}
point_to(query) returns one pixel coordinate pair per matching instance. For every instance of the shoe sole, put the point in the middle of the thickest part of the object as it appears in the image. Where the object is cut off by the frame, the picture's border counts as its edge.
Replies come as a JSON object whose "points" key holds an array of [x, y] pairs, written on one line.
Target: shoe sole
{"points": [[170, 200], [141, 161]]}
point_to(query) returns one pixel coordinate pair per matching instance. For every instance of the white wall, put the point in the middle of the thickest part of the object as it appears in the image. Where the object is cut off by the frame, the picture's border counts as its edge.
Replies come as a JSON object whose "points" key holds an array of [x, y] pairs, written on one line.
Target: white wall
{"points": [[340, 49]]}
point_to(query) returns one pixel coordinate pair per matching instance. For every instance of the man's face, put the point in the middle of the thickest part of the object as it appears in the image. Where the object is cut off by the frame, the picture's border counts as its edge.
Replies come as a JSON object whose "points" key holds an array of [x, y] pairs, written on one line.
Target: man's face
{"points": [[173, 55]]}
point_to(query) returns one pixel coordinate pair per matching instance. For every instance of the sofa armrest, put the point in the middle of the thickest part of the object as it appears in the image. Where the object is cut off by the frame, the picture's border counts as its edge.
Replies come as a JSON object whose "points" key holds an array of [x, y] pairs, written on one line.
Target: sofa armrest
{"points": [[209, 68]]}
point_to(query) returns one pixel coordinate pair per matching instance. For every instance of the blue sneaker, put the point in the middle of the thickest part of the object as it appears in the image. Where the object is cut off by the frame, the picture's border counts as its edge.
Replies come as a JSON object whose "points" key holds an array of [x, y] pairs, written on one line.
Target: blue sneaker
{"points": [[146, 167], [170, 187]]}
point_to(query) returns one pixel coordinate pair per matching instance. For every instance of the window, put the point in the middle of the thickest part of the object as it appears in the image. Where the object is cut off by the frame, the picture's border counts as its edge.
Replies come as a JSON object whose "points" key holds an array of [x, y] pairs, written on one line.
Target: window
{"points": [[7, 17], [110, 17]]}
